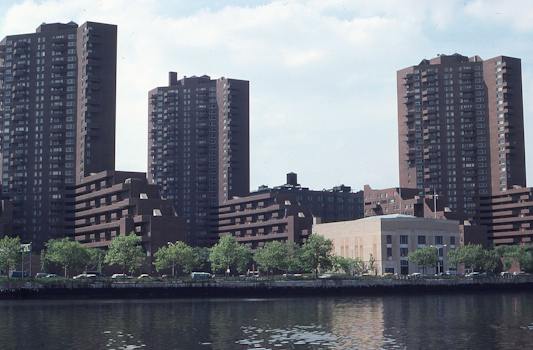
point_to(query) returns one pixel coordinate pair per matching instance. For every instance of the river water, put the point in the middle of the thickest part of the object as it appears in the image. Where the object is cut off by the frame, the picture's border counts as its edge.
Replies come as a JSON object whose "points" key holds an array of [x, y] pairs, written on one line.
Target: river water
{"points": [[454, 321]]}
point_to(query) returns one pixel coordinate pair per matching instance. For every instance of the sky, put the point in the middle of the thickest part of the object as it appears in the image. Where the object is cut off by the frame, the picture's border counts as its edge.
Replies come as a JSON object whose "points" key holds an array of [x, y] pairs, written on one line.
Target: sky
{"points": [[322, 72]]}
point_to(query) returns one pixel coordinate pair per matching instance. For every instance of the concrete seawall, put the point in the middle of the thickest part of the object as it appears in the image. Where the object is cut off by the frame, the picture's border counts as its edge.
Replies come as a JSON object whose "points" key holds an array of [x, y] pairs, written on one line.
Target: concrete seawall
{"points": [[254, 288]]}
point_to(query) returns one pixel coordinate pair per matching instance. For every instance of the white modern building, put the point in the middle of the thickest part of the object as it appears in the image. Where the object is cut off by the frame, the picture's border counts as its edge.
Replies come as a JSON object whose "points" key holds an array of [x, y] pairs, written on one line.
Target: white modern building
{"points": [[388, 240]]}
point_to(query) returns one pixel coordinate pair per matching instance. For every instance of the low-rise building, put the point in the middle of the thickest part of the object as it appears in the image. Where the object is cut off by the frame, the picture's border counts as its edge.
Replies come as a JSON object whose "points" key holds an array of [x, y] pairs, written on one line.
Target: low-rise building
{"points": [[114, 203], [408, 201], [336, 204], [387, 240], [263, 217]]}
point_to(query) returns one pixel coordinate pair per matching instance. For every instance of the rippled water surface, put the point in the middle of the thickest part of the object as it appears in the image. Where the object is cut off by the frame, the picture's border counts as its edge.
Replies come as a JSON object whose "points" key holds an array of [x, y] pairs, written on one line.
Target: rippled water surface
{"points": [[469, 321]]}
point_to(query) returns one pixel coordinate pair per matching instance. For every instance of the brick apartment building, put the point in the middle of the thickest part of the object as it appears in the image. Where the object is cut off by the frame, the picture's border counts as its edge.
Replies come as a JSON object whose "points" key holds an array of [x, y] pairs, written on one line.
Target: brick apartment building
{"points": [[198, 147], [57, 101], [460, 128]]}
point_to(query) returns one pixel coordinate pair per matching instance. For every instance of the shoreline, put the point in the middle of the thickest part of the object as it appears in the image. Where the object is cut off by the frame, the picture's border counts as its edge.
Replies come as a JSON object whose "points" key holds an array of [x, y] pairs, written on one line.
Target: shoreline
{"points": [[255, 289]]}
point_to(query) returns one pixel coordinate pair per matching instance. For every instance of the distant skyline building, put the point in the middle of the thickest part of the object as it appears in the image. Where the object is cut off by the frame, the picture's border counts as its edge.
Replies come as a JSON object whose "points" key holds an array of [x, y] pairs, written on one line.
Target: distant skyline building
{"points": [[48, 81], [198, 147], [327, 205], [460, 128]]}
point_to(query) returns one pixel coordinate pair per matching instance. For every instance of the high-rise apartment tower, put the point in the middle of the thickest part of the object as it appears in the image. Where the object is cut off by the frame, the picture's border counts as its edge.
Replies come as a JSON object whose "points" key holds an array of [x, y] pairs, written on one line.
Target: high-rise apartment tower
{"points": [[460, 126], [56, 87], [198, 147]]}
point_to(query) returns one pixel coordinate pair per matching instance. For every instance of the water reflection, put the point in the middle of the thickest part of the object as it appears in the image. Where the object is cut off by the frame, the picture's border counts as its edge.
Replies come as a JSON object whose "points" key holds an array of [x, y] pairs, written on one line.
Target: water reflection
{"points": [[471, 321]]}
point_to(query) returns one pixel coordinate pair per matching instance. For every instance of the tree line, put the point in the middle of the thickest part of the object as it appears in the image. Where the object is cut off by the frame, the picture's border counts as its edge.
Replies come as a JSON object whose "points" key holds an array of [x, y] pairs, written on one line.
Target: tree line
{"points": [[475, 258], [227, 256]]}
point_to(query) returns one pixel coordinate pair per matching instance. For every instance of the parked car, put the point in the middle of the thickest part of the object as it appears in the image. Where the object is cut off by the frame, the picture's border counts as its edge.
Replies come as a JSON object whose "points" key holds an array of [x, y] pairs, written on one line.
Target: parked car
{"points": [[84, 276], [51, 275], [200, 276], [325, 276], [415, 275], [119, 276], [519, 273], [143, 276], [96, 273], [41, 275], [19, 274], [451, 273], [473, 274]]}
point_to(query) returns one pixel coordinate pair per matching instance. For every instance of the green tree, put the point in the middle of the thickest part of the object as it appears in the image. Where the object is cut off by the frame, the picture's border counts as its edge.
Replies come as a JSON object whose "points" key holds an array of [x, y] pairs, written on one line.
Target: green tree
{"points": [[68, 254], [424, 257], [96, 259], [491, 261], [473, 256], [526, 259], [126, 252], [9, 253], [177, 256], [229, 255], [349, 266], [274, 256], [316, 253], [201, 259]]}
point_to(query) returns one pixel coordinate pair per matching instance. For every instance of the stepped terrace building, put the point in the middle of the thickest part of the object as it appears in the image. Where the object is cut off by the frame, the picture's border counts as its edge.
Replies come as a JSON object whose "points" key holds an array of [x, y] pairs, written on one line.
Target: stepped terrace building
{"points": [[114, 203]]}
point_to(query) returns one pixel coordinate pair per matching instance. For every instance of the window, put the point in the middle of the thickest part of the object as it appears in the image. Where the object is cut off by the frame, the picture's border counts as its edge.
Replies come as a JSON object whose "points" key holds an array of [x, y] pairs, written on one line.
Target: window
{"points": [[389, 252], [452, 240], [404, 252], [389, 270], [438, 240], [404, 239], [421, 239], [389, 239]]}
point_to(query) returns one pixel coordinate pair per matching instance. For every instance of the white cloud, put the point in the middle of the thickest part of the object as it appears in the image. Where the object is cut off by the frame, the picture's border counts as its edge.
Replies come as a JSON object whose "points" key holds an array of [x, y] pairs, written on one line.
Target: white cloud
{"points": [[514, 13], [322, 73]]}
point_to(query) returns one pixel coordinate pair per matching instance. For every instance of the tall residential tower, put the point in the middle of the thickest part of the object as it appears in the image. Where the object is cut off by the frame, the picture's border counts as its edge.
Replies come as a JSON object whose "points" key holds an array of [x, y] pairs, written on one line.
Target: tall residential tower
{"points": [[51, 85], [460, 125], [198, 146]]}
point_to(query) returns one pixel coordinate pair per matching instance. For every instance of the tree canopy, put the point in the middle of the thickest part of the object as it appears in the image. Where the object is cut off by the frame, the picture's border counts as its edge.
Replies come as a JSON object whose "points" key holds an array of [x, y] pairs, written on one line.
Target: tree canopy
{"points": [[229, 255], [424, 257], [316, 253], [9, 253], [66, 253], [177, 256], [126, 252], [349, 266], [276, 255]]}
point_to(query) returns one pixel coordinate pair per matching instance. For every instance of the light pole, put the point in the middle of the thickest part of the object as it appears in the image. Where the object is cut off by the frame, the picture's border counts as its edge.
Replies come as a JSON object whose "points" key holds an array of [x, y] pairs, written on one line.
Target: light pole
{"points": [[435, 195]]}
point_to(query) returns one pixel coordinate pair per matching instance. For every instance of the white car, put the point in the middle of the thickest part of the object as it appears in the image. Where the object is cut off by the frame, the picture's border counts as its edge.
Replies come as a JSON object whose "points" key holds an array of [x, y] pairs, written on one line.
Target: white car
{"points": [[472, 274], [84, 276], [118, 276], [143, 276]]}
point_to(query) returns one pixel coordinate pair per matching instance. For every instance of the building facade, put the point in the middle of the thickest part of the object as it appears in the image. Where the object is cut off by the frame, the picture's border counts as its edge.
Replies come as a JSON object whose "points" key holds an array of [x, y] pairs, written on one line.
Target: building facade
{"points": [[408, 201], [387, 240], [40, 102], [115, 203], [336, 204], [460, 125], [96, 113], [508, 216], [263, 217], [198, 147]]}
